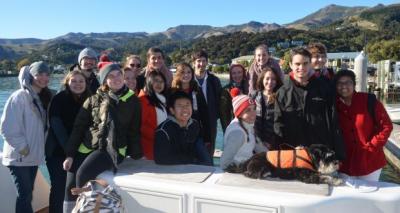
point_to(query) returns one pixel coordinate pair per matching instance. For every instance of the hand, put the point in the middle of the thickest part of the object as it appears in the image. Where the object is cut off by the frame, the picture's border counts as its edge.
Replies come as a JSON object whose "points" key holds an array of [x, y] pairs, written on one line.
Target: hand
{"points": [[25, 151], [68, 163]]}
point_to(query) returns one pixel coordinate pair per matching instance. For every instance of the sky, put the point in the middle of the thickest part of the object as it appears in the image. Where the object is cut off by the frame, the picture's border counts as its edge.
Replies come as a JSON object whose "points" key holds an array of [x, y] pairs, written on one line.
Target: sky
{"points": [[46, 19]]}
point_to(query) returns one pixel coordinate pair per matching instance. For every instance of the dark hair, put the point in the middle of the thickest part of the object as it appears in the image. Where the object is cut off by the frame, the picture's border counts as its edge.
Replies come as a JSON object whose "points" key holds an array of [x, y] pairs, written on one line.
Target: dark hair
{"points": [[299, 51], [343, 73], [198, 54], [45, 96], [237, 65], [177, 95], [151, 94], [260, 79], [153, 50], [317, 48], [177, 80]]}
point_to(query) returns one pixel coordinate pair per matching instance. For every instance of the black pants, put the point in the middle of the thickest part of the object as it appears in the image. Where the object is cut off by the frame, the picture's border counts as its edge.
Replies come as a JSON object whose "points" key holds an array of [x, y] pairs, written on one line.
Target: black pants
{"points": [[85, 168], [58, 178]]}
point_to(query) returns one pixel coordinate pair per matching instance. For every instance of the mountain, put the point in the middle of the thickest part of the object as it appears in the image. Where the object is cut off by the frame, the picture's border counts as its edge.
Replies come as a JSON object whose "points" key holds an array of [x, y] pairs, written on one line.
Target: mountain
{"points": [[325, 16], [329, 19], [19, 41], [188, 32]]}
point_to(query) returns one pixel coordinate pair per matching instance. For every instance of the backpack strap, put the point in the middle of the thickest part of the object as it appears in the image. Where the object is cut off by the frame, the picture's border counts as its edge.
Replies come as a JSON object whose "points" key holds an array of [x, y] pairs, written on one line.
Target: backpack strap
{"points": [[98, 203], [371, 102]]}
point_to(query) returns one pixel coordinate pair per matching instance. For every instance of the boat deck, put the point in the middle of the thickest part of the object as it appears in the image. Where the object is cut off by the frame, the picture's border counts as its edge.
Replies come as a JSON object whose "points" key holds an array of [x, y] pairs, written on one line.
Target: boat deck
{"points": [[146, 187]]}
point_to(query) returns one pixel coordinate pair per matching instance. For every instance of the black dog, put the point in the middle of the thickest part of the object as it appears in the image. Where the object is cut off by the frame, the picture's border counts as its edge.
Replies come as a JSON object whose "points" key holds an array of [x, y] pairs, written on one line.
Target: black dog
{"points": [[322, 167]]}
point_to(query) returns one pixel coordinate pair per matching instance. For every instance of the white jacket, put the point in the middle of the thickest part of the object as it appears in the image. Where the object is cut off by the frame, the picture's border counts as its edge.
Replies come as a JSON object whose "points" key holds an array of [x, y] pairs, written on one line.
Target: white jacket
{"points": [[22, 125], [236, 147]]}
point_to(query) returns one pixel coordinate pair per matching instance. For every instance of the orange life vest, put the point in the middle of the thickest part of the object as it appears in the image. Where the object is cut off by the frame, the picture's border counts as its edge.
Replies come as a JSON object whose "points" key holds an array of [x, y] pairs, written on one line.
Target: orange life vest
{"points": [[286, 159]]}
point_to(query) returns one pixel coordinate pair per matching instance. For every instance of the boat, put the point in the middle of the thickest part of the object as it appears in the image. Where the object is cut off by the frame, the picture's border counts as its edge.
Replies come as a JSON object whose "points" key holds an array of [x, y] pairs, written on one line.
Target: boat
{"points": [[394, 112], [392, 147], [147, 187]]}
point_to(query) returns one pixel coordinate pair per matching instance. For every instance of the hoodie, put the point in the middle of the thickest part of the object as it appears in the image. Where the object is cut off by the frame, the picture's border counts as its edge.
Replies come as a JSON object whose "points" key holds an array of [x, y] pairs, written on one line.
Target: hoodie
{"points": [[23, 124]]}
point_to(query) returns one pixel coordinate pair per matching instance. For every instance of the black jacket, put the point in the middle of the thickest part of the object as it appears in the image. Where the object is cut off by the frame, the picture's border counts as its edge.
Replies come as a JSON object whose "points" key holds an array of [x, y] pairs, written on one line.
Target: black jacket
{"points": [[307, 115], [174, 144], [62, 112], [213, 97], [200, 114], [264, 124]]}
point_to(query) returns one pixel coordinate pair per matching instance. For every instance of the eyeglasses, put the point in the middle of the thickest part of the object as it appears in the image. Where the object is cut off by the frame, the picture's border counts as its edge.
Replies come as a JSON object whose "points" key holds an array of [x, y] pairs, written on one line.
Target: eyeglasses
{"points": [[344, 83], [135, 65]]}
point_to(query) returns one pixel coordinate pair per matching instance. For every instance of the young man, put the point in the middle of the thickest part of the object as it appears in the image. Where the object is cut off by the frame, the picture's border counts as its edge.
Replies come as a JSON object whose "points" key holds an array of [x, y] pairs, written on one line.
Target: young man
{"points": [[318, 60], [177, 137], [304, 109], [87, 61], [211, 87]]}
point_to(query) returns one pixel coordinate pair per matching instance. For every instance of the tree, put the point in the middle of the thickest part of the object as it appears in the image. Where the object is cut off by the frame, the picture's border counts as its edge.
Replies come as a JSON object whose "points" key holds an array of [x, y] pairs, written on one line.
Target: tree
{"points": [[383, 50], [285, 65]]}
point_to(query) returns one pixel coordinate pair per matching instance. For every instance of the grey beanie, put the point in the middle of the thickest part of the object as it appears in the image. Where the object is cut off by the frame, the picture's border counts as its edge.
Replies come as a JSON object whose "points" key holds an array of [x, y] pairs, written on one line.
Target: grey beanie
{"points": [[87, 52], [107, 69], [38, 67]]}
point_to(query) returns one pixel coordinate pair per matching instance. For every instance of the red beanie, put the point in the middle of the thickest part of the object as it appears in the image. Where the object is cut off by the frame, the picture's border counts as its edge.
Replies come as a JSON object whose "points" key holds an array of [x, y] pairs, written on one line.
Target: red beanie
{"points": [[239, 102]]}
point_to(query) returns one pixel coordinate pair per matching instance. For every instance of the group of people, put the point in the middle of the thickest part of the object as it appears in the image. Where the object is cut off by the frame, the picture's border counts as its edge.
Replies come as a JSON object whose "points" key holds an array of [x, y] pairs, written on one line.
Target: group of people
{"points": [[106, 112], [310, 105]]}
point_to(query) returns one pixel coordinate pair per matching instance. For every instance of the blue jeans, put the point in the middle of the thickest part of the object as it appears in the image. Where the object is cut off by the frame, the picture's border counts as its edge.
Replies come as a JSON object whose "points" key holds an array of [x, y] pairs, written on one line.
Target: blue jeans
{"points": [[24, 179], [203, 156]]}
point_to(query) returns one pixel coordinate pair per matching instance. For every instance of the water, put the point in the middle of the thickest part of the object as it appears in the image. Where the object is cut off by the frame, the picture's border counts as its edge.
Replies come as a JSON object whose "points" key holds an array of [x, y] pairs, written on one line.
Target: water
{"points": [[10, 84]]}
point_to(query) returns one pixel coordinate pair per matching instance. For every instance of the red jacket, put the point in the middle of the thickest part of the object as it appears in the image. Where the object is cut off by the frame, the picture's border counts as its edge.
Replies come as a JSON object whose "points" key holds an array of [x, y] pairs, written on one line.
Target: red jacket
{"points": [[363, 137], [148, 126]]}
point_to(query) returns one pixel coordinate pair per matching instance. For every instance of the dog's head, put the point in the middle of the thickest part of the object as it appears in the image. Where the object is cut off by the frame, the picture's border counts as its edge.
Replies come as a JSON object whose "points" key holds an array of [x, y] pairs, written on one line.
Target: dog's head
{"points": [[323, 158]]}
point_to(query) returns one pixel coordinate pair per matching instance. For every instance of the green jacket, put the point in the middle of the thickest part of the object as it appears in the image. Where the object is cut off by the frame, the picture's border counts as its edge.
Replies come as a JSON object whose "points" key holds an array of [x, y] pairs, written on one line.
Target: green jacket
{"points": [[90, 132]]}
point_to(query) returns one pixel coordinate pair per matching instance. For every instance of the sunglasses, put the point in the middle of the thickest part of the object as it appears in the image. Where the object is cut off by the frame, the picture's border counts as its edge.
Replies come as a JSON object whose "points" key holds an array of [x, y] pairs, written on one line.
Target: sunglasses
{"points": [[135, 65]]}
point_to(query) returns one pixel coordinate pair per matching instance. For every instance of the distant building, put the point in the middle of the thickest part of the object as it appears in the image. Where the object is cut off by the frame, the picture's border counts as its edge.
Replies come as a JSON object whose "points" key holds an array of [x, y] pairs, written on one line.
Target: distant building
{"points": [[283, 45], [297, 43], [342, 59], [246, 59]]}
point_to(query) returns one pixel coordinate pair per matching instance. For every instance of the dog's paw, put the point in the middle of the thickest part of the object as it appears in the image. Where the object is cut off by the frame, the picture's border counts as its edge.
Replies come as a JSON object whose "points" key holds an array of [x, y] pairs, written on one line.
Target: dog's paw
{"points": [[337, 181]]}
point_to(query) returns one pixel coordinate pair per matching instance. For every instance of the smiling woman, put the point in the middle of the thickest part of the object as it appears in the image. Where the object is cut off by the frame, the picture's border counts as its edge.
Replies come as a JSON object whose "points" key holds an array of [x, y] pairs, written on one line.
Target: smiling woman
{"points": [[22, 119]]}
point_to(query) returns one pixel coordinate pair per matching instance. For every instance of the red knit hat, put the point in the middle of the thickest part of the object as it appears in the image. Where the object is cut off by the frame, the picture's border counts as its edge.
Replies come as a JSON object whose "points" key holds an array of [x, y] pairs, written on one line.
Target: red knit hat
{"points": [[239, 101]]}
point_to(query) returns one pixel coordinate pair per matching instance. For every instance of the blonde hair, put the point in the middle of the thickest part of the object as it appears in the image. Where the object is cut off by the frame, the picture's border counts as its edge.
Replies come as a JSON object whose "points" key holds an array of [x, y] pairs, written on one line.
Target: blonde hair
{"points": [[130, 57]]}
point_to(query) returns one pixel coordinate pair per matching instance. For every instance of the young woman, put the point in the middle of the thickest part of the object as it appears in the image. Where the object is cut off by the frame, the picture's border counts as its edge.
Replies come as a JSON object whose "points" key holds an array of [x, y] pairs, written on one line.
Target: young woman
{"points": [[237, 78], [105, 131], [184, 81], [364, 133], [62, 112], [134, 62], [130, 79], [155, 62], [239, 139], [261, 60], [267, 84], [154, 112], [24, 126]]}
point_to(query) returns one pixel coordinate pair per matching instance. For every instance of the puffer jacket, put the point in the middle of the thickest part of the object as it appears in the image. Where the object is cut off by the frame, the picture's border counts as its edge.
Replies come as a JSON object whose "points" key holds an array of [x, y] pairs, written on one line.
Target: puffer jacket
{"points": [[90, 129]]}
